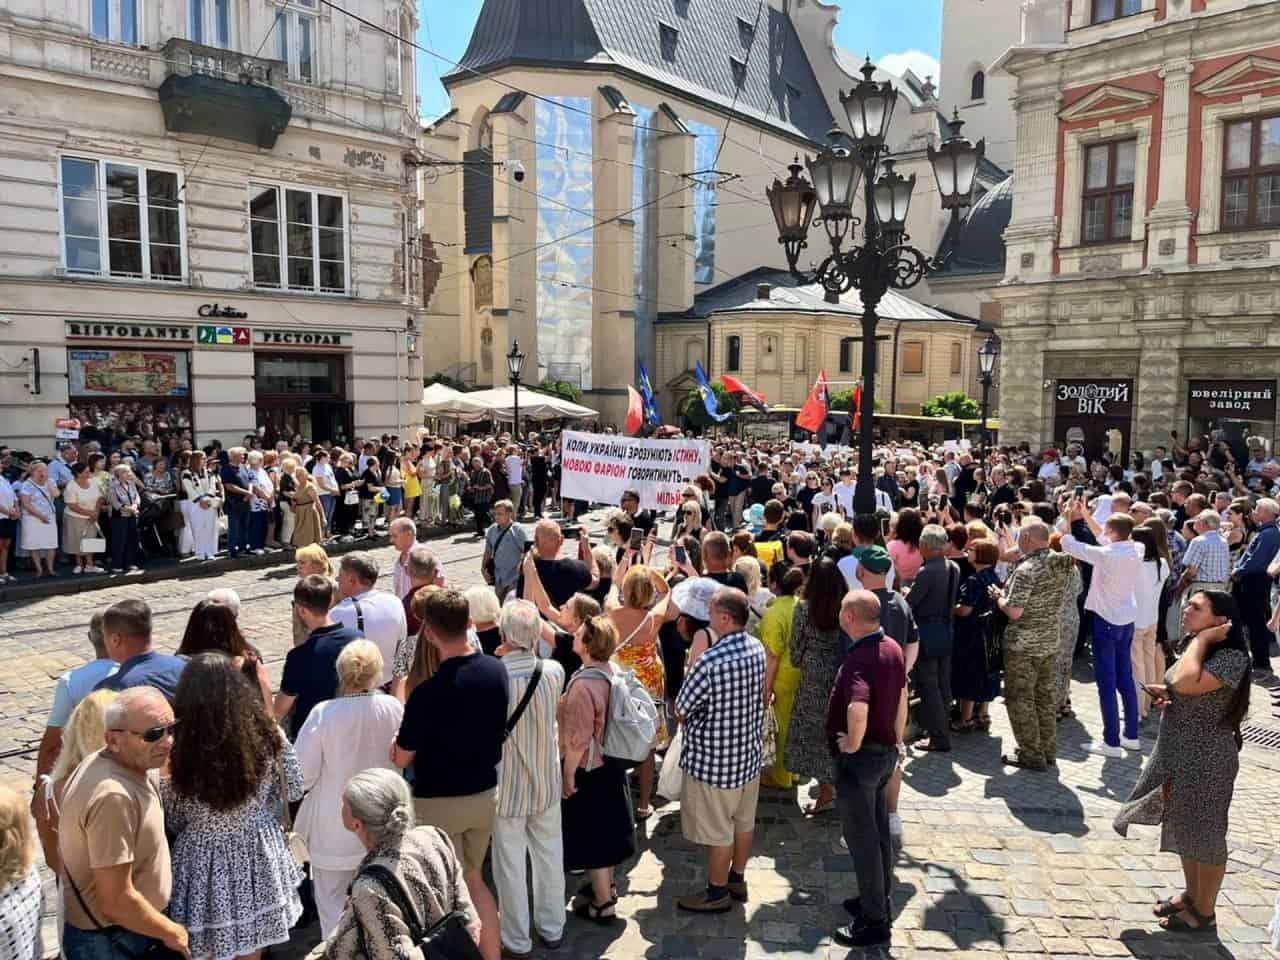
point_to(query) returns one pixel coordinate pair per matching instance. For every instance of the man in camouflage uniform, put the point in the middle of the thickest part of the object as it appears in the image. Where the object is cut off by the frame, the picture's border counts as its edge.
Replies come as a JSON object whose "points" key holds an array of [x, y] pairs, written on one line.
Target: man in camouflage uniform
{"points": [[1032, 599]]}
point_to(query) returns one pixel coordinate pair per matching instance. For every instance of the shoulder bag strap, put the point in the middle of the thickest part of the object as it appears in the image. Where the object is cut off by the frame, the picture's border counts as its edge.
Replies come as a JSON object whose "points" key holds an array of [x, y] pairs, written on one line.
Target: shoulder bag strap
{"points": [[497, 543], [524, 701], [359, 614], [396, 892], [89, 913]]}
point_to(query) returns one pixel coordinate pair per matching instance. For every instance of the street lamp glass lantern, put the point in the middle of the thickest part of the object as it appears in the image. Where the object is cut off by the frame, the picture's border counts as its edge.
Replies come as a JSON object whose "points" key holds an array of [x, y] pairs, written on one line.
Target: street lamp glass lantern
{"points": [[987, 354], [515, 361], [792, 204], [955, 165], [869, 107], [892, 197], [835, 180]]}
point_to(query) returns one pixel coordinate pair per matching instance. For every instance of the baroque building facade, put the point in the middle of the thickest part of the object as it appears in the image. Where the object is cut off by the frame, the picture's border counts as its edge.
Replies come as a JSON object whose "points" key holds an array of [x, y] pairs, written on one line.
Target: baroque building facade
{"points": [[604, 165], [205, 223], [1140, 293]]}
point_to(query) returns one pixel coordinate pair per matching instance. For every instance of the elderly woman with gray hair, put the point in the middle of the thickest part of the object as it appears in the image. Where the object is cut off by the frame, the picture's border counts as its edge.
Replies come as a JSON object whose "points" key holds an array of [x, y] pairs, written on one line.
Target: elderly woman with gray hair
{"points": [[340, 738], [125, 497], [932, 598], [378, 809]]}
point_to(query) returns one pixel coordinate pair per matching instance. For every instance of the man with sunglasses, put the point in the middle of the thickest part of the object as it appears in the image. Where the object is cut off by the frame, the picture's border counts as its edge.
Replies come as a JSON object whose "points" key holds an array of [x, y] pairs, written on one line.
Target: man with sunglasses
{"points": [[126, 630], [115, 857]]}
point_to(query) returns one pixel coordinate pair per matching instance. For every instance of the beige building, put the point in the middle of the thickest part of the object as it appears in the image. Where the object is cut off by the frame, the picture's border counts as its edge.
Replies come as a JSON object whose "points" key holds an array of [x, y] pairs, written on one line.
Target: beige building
{"points": [[775, 337], [605, 164], [1140, 290], [204, 219]]}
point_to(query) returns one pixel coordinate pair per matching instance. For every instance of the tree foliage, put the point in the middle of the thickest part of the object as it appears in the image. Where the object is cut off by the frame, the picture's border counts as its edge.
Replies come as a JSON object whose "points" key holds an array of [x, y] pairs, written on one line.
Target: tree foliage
{"points": [[560, 388], [695, 412], [447, 380], [841, 401], [956, 404]]}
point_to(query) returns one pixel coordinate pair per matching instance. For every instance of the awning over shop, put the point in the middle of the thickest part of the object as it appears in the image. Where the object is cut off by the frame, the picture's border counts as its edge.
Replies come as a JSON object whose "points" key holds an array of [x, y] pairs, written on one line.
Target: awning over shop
{"points": [[499, 404]]}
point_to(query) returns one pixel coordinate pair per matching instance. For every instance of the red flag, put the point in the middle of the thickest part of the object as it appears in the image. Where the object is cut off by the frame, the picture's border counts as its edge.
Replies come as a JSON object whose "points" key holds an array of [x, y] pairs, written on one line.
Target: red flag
{"points": [[857, 406], [635, 412], [814, 411], [743, 392]]}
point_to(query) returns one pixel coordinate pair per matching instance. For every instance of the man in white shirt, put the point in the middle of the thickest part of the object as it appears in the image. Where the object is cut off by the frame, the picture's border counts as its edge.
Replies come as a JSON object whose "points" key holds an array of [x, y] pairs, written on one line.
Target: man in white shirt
{"points": [[376, 615], [327, 485], [843, 491], [402, 534], [514, 464], [1117, 566]]}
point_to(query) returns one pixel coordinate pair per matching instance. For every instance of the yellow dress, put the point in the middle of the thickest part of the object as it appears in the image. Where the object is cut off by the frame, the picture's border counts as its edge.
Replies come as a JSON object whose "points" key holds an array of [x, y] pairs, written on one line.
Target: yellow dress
{"points": [[775, 634], [639, 653], [412, 486]]}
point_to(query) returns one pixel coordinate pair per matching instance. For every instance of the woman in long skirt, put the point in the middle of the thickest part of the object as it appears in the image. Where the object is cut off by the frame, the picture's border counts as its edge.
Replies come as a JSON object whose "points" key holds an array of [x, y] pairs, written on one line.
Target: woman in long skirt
{"points": [[204, 498]]}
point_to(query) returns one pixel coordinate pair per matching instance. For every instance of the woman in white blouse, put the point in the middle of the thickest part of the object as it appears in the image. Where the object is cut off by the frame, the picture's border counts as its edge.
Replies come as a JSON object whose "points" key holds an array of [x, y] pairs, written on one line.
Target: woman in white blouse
{"points": [[81, 519], [339, 738], [39, 518], [204, 496]]}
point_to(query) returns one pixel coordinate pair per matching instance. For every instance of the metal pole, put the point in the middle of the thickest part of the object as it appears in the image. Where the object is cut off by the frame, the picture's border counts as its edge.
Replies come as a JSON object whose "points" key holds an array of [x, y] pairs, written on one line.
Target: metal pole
{"points": [[986, 395], [515, 392], [871, 285]]}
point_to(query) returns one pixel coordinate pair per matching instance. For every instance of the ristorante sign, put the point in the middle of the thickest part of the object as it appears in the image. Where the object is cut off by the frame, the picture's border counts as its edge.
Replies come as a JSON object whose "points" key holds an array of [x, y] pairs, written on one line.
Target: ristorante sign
{"points": [[1095, 398], [111, 330]]}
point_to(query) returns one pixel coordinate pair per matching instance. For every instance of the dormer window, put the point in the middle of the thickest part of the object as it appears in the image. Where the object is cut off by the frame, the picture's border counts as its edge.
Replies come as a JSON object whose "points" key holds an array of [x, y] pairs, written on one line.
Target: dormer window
{"points": [[746, 31], [739, 68], [668, 37]]}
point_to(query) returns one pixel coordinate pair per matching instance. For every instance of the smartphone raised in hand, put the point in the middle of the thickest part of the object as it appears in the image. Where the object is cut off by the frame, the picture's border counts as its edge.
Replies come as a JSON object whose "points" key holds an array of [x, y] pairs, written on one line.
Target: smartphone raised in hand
{"points": [[680, 553], [637, 538]]}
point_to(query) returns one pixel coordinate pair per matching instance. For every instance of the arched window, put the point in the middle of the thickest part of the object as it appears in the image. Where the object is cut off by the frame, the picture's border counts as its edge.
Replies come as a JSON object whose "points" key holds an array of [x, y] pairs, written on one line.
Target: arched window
{"points": [[733, 353], [769, 352], [978, 85]]}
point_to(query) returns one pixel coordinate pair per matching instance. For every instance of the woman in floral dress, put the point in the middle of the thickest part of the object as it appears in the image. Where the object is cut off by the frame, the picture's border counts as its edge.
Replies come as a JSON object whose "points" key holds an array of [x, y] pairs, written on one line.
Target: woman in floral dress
{"points": [[235, 883], [638, 618]]}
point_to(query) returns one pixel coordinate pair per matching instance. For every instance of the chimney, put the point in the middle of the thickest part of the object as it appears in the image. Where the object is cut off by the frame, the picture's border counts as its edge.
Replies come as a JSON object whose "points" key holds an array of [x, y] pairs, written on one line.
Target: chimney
{"points": [[763, 290]]}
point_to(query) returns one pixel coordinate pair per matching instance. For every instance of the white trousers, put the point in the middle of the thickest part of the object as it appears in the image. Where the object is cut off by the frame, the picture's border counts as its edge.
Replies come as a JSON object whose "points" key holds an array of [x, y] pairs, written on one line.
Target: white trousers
{"points": [[204, 530], [329, 887], [539, 837], [184, 538], [287, 521]]}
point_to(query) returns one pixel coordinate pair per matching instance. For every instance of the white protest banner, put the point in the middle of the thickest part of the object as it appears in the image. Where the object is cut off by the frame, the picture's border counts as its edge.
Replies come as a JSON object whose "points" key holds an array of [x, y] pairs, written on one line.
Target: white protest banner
{"points": [[812, 450], [598, 467]]}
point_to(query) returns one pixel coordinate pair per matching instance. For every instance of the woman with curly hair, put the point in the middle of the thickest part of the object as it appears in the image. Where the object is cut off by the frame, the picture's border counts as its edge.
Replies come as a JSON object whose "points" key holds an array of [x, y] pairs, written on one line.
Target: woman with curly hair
{"points": [[235, 884], [213, 628]]}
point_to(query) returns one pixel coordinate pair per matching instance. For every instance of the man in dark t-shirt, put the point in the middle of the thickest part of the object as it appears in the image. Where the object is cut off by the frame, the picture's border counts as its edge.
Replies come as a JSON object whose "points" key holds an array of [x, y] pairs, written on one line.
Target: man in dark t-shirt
{"points": [[457, 721], [311, 669]]}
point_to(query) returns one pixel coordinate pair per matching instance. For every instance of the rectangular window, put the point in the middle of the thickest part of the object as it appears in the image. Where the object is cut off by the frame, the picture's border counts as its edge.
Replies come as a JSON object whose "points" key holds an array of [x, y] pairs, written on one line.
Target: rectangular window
{"points": [[802, 354], [114, 20], [955, 357], [1251, 174], [210, 22], [1108, 191], [1104, 10], [296, 40], [846, 355], [299, 239], [913, 357], [733, 351], [121, 220]]}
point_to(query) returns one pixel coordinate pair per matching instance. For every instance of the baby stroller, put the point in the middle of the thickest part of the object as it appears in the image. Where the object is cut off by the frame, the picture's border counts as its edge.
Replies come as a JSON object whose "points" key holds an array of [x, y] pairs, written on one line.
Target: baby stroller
{"points": [[158, 523]]}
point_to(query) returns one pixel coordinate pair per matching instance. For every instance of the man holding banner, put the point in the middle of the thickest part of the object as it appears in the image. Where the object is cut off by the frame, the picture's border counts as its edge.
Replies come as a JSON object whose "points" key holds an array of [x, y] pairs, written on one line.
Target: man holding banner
{"points": [[599, 468]]}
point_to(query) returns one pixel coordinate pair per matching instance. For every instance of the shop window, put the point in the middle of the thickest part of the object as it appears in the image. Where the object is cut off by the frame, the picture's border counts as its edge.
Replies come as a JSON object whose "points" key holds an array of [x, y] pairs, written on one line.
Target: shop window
{"points": [[298, 375], [913, 357], [1251, 173], [1108, 191], [119, 220], [769, 352], [1104, 10], [299, 239], [295, 32], [802, 354], [115, 20], [733, 353], [209, 22], [978, 85], [956, 351]]}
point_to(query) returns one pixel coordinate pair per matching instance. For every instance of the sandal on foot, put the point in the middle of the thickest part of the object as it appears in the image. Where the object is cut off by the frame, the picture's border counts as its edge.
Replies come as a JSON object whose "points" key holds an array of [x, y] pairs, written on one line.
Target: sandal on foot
{"points": [[1167, 908], [1175, 924], [963, 726], [598, 913], [982, 724], [643, 813], [820, 807], [587, 895]]}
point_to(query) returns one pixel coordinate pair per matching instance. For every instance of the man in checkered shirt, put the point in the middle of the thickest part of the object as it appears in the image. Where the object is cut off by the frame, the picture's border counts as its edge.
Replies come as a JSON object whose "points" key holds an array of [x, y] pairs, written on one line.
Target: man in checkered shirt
{"points": [[721, 705]]}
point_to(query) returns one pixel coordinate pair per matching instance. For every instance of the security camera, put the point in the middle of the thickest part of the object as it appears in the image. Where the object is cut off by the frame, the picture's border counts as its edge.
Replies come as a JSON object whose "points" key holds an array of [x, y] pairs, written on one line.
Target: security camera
{"points": [[517, 171]]}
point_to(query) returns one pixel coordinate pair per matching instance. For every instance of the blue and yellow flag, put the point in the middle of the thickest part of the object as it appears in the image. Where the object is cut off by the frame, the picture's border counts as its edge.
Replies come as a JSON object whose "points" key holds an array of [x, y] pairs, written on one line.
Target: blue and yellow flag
{"points": [[650, 401], [709, 396]]}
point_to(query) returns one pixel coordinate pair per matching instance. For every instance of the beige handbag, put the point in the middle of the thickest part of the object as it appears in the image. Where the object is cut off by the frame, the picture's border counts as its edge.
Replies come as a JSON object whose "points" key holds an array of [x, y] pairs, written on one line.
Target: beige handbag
{"points": [[296, 843]]}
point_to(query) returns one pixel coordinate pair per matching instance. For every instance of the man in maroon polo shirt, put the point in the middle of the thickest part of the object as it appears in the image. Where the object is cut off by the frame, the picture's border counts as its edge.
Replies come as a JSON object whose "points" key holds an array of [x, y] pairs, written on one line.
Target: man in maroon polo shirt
{"points": [[865, 723]]}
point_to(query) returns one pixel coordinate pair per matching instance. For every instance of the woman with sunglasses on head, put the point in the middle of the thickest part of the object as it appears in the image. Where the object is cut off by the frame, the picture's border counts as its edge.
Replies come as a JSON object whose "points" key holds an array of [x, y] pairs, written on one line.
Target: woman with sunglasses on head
{"points": [[235, 882], [1187, 783]]}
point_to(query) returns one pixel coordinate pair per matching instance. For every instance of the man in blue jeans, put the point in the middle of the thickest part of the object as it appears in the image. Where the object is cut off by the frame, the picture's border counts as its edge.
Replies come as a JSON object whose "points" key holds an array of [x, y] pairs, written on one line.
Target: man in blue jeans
{"points": [[1117, 566], [1251, 583], [235, 487]]}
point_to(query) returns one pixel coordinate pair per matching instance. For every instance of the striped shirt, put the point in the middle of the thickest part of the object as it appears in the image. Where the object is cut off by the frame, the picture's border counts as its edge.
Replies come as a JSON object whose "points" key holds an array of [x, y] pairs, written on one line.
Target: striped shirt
{"points": [[1209, 554], [529, 777]]}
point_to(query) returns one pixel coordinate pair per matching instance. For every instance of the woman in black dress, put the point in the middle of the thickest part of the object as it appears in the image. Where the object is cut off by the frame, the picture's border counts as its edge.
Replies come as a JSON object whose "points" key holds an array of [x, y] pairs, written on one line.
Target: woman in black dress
{"points": [[974, 681], [480, 495], [344, 514]]}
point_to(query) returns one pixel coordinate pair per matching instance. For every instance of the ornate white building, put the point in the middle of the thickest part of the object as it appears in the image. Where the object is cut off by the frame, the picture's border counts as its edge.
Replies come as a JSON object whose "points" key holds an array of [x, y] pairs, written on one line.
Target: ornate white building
{"points": [[204, 220], [1140, 290]]}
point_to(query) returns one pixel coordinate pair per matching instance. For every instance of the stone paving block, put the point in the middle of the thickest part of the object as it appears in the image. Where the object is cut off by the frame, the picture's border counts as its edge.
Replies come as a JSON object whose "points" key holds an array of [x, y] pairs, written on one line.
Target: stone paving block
{"points": [[995, 857], [1106, 948], [1057, 946], [932, 940], [1031, 908], [1022, 940], [1248, 934]]}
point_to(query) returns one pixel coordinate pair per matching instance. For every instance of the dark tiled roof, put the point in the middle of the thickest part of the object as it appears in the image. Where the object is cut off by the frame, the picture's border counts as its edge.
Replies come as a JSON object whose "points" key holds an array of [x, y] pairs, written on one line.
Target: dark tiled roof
{"points": [[742, 293], [778, 88], [508, 102], [979, 248]]}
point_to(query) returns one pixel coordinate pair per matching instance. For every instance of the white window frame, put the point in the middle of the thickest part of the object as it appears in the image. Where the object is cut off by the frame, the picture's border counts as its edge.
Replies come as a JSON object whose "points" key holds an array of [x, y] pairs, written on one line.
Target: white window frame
{"points": [[291, 11], [104, 249], [209, 12], [115, 19], [283, 237]]}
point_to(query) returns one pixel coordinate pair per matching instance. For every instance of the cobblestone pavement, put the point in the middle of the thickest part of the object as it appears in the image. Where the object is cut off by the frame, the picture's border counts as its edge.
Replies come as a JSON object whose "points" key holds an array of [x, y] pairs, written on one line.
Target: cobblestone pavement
{"points": [[996, 862]]}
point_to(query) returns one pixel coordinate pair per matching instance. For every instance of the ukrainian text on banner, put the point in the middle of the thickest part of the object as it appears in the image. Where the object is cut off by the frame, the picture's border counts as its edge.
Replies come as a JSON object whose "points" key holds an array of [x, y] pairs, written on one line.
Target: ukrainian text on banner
{"points": [[597, 467]]}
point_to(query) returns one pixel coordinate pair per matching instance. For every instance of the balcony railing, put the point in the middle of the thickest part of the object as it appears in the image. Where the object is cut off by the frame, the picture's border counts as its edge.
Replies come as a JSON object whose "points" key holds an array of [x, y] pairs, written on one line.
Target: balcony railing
{"points": [[224, 93]]}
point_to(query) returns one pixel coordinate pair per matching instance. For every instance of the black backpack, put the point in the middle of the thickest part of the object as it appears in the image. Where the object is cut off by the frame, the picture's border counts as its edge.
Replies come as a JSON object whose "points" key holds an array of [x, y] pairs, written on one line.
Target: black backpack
{"points": [[448, 939]]}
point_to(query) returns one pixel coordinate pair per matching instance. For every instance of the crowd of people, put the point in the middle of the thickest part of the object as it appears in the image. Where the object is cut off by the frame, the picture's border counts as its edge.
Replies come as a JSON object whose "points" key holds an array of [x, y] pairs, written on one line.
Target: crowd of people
{"points": [[783, 641], [100, 510]]}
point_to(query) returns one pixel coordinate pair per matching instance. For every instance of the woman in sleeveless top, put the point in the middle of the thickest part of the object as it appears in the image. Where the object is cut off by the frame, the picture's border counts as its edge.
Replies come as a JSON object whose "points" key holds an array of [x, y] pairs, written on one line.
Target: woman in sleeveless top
{"points": [[638, 618]]}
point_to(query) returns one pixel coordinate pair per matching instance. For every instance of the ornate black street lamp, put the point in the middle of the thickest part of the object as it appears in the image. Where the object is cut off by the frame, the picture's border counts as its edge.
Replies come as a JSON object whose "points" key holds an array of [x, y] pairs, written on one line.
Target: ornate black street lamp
{"points": [[987, 354], [515, 367], [884, 261]]}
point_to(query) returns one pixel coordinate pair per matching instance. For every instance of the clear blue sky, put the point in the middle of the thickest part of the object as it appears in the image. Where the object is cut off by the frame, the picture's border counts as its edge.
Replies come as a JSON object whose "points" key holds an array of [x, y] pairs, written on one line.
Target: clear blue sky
{"points": [[899, 30]]}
